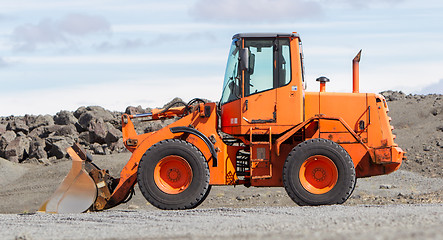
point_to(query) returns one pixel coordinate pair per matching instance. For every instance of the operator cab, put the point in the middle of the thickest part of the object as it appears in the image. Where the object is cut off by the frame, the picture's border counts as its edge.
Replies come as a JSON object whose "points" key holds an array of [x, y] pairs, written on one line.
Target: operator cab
{"points": [[263, 71]]}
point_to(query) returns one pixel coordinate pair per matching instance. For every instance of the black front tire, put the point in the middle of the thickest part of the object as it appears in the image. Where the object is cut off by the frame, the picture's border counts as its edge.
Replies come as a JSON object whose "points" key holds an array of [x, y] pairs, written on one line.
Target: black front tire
{"points": [[345, 173], [195, 192]]}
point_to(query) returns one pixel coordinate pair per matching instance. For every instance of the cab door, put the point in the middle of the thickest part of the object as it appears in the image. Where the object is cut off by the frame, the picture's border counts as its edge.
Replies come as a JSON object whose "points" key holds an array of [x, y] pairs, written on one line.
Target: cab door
{"points": [[259, 101]]}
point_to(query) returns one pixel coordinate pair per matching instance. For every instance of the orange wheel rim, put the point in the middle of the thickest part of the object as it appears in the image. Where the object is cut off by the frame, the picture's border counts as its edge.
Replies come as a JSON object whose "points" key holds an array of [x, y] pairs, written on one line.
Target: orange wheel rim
{"points": [[318, 174], [173, 174]]}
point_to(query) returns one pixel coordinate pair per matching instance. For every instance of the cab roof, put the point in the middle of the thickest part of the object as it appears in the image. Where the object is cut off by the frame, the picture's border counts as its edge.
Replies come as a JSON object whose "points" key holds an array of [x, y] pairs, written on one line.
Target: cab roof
{"points": [[264, 35]]}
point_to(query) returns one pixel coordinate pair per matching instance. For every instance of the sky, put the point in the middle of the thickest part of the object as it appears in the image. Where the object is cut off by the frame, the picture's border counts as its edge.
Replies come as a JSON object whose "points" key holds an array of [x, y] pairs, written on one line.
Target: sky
{"points": [[60, 55]]}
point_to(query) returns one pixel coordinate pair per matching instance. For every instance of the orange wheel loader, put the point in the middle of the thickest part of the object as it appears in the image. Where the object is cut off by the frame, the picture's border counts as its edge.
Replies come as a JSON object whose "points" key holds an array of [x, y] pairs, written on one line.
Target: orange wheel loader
{"points": [[266, 131]]}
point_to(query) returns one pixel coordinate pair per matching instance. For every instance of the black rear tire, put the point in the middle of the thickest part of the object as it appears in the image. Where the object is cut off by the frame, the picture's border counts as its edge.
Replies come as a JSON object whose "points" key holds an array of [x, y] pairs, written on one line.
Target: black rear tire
{"points": [[195, 191], [295, 173]]}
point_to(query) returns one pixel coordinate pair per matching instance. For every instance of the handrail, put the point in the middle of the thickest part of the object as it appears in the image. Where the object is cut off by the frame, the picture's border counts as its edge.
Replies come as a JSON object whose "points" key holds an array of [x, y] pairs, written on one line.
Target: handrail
{"points": [[291, 132]]}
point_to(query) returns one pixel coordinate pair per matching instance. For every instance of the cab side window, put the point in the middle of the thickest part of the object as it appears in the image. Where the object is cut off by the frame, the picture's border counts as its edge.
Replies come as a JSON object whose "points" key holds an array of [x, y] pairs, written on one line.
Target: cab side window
{"points": [[284, 63], [269, 65], [259, 76]]}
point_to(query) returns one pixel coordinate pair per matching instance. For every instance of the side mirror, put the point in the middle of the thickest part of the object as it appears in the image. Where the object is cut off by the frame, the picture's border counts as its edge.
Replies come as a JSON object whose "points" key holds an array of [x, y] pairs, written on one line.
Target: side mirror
{"points": [[251, 64], [244, 59]]}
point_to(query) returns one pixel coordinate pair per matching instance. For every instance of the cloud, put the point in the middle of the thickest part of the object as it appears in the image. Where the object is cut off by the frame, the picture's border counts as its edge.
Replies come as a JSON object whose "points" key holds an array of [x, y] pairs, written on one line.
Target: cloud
{"points": [[255, 10], [168, 38], [270, 11], [29, 36], [124, 44], [365, 3], [81, 24], [3, 63]]}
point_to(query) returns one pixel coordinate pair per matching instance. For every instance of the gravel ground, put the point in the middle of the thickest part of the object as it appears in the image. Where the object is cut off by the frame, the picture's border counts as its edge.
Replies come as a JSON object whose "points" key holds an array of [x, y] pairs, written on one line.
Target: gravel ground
{"points": [[325, 222]]}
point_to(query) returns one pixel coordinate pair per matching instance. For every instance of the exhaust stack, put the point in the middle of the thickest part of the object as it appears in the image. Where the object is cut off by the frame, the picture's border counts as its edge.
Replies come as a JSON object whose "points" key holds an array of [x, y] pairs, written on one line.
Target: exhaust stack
{"points": [[355, 73], [323, 81]]}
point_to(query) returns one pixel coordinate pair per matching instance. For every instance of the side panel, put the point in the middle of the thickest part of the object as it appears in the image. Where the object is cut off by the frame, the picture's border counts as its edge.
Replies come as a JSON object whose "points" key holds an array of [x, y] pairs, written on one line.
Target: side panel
{"points": [[231, 117], [366, 115], [352, 108]]}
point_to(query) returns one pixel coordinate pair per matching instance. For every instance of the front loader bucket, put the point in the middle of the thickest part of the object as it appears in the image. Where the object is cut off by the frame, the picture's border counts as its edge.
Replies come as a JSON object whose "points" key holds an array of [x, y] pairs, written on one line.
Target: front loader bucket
{"points": [[76, 194]]}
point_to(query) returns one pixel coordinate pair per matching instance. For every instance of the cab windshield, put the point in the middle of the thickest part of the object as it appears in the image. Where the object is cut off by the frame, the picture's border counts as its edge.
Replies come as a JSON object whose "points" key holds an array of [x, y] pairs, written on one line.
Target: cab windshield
{"points": [[231, 84]]}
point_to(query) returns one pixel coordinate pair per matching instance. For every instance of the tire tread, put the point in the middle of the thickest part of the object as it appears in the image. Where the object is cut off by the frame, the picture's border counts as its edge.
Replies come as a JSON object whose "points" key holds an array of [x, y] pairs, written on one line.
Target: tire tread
{"points": [[198, 198], [299, 148]]}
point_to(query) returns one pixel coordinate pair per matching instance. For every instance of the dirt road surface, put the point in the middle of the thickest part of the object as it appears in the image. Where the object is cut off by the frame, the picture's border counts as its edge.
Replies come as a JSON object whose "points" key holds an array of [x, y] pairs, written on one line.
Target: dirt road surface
{"points": [[402, 205], [325, 222]]}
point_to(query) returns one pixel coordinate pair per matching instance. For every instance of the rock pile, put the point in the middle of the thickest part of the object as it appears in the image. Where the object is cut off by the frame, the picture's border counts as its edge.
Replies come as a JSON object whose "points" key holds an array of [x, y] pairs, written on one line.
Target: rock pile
{"points": [[43, 137], [393, 95]]}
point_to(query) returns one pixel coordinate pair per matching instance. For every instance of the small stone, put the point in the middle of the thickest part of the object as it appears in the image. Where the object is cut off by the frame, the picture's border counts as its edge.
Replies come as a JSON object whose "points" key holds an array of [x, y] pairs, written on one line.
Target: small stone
{"points": [[97, 149], [393, 95], [106, 150], [58, 144], [356, 196], [18, 149], [84, 137], [37, 149], [2, 129], [100, 112], [153, 126], [42, 161], [38, 132], [38, 121], [65, 118], [98, 130], [6, 138], [80, 111], [67, 130], [239, 198], [386, 186], [22, 237], [20, 134], [85, 119], [118, 146], [18, 125], [113, 134], [134, 110]]}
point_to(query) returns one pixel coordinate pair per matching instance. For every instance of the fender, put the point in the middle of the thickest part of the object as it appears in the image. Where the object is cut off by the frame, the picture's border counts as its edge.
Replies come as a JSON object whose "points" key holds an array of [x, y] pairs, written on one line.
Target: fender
{"points": [[202, 137]]}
